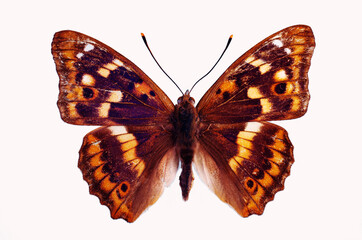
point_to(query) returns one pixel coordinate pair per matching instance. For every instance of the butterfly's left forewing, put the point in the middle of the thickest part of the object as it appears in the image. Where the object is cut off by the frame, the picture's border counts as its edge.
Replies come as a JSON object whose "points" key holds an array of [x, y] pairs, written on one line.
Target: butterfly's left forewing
{"points": [[99, 86]]}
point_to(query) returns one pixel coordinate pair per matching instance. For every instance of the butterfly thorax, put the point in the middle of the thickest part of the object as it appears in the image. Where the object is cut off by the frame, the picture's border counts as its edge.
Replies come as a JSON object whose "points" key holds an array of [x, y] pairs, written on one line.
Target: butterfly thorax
{"points": [[185, 121]]}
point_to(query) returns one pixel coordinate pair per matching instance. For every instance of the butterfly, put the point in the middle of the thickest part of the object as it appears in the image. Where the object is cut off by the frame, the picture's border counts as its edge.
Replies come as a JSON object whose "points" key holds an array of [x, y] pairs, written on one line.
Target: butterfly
{"points": [[144, 137]]}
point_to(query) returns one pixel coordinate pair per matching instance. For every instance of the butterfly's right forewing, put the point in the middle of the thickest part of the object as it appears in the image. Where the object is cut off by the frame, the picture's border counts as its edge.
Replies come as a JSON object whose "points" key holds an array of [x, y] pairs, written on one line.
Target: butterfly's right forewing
{"points": [[269, 82]]}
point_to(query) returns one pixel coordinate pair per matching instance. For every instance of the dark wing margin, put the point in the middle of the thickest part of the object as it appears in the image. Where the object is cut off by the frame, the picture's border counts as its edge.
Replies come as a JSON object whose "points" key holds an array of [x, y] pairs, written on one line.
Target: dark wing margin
{"points": [[269, 82], [99, 86]]}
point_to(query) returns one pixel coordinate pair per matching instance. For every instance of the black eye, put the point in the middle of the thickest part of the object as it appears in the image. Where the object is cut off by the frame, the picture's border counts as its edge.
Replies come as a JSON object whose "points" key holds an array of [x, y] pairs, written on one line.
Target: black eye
{"points": [[192, 100]]}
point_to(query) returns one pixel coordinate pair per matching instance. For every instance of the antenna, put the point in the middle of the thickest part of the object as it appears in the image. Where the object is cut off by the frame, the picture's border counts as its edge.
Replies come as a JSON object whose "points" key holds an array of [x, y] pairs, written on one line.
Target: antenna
{"points": [[145, 41], [222, 54]]}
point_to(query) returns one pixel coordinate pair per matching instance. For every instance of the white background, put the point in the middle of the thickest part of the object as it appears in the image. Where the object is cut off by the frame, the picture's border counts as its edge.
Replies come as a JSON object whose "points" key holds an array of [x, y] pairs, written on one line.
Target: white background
{"points": [[42, 194]]}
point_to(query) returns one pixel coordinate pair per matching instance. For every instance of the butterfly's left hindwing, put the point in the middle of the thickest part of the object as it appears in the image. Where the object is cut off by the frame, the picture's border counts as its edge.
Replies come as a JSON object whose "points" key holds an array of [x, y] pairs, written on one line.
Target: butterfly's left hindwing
{"points": [[99, 86], [127, 167]]}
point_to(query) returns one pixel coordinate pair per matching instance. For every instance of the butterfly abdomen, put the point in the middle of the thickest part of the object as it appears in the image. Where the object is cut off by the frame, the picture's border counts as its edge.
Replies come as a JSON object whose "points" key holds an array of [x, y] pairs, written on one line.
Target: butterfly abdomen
{"points": [[185, 121]]}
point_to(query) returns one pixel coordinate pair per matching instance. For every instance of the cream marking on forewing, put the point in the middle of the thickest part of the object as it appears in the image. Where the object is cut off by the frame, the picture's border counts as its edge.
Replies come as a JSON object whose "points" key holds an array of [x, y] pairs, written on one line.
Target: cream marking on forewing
{"points": [[287, 50], [88, 47], [115, 96], [111, 66], [103, 72], [88, 80], [266, 105], [264, 68], [253, 92], [257, 62], [250, 59], [277, 43], [104, 109], [281, 75], [121, 64], [118, 62]]}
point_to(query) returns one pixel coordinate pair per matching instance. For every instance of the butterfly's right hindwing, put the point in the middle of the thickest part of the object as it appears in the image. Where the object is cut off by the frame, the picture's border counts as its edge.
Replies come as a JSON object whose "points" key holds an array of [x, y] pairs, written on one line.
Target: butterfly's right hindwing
{"points": [[245, 164]]}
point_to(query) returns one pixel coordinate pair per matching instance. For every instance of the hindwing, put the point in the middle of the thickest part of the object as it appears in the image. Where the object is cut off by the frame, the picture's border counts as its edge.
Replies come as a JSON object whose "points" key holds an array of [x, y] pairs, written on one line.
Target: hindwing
{"points": [[245, 164], [127, 167]]}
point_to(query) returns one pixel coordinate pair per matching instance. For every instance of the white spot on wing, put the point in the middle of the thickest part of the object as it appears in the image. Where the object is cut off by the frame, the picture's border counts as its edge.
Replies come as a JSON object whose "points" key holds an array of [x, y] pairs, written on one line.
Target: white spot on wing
{"points": [[115, 96], [264, 68], [253, 92], [253, 127], [103, 72], [111, 66], [257, 62], [118, 62], [250, 59], [281, 75], [80, 55], [88, 80], [278, 43], [117, 130], [104, 109], [121, 64], [287, 50], [88, 47]]}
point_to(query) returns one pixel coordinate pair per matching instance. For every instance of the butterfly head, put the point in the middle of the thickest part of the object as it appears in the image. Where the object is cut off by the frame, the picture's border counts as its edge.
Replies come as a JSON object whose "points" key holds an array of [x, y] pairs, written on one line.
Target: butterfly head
{"points": [[186, 99]]}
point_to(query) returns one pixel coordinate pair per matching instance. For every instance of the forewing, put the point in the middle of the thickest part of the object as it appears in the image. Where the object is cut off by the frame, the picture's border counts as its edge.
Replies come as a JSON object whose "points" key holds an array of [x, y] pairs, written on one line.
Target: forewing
{"points": [[99, 86], [127, 167], [244, 164], [269, 82]]}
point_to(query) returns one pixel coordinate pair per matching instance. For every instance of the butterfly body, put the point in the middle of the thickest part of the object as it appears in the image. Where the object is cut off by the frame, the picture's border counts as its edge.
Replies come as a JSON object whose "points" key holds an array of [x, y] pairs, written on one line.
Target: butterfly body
{"points": [[186, 129], [240, 156]]}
